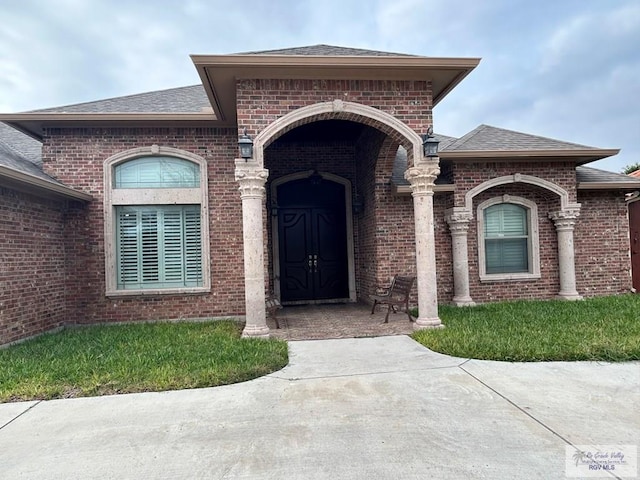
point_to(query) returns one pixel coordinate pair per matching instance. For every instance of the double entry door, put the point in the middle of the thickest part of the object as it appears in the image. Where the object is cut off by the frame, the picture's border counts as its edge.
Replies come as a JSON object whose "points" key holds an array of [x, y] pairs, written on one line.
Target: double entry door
{"points": [[312, 241]]}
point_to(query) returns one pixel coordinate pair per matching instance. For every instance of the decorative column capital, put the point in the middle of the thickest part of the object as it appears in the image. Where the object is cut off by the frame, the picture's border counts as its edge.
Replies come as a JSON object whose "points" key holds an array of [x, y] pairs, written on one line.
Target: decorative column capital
{"points": [[458, 219], [422, 177], [565, 219], [251, 178]]}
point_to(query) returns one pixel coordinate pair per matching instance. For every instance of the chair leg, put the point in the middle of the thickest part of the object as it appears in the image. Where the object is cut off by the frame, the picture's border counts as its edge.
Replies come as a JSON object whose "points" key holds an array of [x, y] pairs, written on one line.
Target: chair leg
{"points": [[373, 309], [386, 318]]}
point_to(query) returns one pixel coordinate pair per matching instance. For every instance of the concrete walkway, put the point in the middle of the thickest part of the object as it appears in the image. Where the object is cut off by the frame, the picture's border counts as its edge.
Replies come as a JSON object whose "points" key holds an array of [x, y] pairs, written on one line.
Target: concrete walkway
{"points": [[368, 408]]}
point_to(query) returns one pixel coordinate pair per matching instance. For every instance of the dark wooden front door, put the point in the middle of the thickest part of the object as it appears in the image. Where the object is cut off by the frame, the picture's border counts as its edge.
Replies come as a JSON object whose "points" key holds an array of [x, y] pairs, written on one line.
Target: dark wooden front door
{"points": [[634, 231], [312, 241]]}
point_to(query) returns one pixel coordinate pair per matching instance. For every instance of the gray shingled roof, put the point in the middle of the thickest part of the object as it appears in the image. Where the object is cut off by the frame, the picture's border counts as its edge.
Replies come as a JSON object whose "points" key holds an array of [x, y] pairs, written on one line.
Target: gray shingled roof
{"points": [[584, 174], [327, 50], [192, 99], [595, 175], [486, 137], [28, 148], [21, 153]]}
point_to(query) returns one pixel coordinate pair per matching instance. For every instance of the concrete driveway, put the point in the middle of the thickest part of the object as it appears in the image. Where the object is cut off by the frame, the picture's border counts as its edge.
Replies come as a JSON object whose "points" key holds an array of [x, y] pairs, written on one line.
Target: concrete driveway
{"points": [[369, 408]]}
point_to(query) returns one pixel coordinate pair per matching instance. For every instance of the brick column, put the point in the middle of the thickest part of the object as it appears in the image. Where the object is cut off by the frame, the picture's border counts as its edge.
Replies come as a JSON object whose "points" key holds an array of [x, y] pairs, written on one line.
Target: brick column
{"points": [[422, 177], [252, 177], [565, 221], [458, 219]]}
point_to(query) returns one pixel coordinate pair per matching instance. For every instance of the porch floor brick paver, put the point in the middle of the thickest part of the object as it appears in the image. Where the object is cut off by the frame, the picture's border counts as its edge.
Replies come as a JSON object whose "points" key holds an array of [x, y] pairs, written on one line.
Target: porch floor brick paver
{"points": [[344, 320]]}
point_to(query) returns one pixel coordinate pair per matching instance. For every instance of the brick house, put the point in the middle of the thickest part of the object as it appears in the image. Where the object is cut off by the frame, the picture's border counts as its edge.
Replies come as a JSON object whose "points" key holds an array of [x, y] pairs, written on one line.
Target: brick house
{"points": [[142, 208]]}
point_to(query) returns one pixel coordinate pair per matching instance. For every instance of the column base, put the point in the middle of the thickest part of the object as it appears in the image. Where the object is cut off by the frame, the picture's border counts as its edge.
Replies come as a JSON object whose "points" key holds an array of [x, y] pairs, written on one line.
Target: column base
{"points": [[424, 323], [251, 331], [463, 302], [569, 296]]}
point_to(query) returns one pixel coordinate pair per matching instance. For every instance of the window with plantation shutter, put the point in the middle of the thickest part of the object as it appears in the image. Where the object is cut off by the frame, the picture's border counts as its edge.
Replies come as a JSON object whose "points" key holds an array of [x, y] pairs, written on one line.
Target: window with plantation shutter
{"points": [[155, 206], [158, 247], [508, 239]]}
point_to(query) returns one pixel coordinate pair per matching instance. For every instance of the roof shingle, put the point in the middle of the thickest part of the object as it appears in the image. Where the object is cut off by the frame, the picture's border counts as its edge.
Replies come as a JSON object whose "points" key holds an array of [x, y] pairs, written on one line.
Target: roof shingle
{"points": [[191, 99], [327, 50], [488, 138]]}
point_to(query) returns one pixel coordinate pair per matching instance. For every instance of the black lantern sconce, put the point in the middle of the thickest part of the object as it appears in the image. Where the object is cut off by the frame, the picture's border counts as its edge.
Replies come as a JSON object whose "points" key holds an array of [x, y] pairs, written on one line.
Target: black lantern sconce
{"points": [[246, 146], [430, 144]]}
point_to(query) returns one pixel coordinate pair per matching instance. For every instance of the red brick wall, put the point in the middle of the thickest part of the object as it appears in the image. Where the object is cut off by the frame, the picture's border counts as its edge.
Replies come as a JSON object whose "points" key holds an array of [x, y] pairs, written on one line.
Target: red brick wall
{"points": [[76, 157], [444, 262], [32, 265], [369, 145], [260, 102], [601, 239]]}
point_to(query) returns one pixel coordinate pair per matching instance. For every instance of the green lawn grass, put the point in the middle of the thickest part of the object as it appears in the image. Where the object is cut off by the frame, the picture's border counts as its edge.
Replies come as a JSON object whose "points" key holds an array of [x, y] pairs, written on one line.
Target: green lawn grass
{"points": [[604, 328], [103, 360]]}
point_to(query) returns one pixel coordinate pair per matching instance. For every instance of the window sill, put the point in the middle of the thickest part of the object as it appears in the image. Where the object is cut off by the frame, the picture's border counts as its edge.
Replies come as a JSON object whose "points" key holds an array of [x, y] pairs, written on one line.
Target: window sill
{"points": [[157, 291], [508, 277]]}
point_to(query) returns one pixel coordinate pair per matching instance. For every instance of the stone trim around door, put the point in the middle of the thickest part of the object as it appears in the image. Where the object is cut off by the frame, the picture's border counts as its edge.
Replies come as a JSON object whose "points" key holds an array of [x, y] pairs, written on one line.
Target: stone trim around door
{"points": [[349, 227]]}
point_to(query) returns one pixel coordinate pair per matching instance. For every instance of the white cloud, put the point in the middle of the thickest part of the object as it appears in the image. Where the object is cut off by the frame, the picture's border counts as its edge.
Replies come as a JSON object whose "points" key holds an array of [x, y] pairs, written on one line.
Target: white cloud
{"points": [[566, 69]]}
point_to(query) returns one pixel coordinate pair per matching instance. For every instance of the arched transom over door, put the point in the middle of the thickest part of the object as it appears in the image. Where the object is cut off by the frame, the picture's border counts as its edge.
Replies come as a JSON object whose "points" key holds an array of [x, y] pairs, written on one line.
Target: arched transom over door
{"points": [[312, 240]]}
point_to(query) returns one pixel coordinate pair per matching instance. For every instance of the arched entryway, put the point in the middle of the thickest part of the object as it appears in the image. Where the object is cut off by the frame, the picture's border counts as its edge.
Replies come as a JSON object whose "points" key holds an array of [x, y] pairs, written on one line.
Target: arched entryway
{"points": [[252, 176], [312, 238]]}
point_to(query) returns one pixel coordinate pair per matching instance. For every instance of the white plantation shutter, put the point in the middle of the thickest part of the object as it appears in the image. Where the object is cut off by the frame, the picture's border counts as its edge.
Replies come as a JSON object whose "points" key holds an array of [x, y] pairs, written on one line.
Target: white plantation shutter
{"points": [[128, 251], [193, 247], [149, 246], [506, 238], [159, 247], [173, 246]]}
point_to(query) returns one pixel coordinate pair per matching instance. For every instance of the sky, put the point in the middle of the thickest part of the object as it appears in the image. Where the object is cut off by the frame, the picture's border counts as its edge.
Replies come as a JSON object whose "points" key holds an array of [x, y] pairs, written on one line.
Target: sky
{"points": [[565, 69]]}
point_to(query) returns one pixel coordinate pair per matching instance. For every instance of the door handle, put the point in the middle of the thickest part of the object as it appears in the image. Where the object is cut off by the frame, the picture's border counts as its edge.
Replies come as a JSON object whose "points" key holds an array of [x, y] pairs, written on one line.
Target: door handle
{"points": [[310, 263], [315, 263]]}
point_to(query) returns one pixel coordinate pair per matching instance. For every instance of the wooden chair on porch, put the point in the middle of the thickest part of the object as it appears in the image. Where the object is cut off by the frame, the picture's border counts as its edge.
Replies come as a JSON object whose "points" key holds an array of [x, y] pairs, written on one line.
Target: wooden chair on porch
{"points": [[396, 296], [272, 305]]}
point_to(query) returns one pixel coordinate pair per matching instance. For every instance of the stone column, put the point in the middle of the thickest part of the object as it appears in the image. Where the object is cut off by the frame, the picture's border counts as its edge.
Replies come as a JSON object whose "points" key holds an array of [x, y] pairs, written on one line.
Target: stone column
{"points": [[458, 219], [422, 178], [252, 177], [565, 220]]}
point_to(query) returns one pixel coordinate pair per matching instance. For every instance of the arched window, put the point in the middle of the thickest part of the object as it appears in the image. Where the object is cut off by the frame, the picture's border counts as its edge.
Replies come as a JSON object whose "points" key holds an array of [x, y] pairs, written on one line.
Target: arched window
{"points": [[156, 228], [508, 239]]}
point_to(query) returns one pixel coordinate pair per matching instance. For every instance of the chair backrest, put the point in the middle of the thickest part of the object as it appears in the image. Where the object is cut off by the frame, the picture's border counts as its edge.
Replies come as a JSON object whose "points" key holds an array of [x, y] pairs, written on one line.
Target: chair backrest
{"points": [[401, 286]]}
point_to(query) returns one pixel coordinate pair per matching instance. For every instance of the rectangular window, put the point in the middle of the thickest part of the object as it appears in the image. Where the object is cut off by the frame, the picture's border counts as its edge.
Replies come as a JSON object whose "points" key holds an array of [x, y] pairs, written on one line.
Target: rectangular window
{"points": [[506, 239], [158, 247]]}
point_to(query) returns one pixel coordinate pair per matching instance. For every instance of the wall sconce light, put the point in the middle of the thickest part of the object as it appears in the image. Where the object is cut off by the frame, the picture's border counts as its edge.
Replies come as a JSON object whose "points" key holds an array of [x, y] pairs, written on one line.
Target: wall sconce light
{"points": [[430, 144], [246, 146]]}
